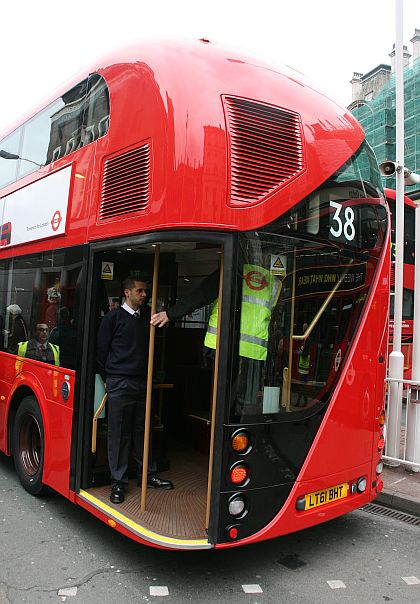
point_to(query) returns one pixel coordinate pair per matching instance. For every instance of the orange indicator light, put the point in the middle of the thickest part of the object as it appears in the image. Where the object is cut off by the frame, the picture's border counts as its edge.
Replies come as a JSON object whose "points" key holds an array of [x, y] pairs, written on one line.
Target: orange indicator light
{"points": [[240, 442], [382, 418], [112, 523]]}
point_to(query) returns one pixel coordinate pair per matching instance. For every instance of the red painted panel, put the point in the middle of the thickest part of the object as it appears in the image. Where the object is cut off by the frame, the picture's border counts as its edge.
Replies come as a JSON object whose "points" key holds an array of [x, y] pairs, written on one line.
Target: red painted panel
{"points": [[45, 382]]}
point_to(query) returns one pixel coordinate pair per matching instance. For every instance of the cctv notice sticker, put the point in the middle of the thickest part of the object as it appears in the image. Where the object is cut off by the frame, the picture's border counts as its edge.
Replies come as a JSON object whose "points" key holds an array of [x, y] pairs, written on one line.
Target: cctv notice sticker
{"points": [[278, 265], [107, 271]]}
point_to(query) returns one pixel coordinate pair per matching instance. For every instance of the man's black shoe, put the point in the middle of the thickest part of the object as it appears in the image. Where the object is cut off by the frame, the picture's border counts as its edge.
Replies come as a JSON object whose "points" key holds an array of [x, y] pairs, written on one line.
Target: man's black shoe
{"points": [[117, 493], [154, 482]]}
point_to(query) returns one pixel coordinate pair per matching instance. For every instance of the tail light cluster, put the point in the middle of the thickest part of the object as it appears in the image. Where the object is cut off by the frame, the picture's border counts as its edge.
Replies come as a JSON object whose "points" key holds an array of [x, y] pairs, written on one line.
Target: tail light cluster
{"points": [[239, 476], [380, 444]]}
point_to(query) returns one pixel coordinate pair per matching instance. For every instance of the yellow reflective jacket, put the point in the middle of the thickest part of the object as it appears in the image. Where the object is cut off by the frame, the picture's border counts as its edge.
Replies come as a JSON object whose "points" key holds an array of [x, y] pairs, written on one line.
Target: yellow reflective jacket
{"points": [[22, 347], [260, 292]]}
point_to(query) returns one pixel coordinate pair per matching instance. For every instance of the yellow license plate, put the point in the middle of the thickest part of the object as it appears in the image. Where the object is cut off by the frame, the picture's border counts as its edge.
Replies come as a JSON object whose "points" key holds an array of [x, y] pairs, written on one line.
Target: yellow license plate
{"points": [[313, 500]]}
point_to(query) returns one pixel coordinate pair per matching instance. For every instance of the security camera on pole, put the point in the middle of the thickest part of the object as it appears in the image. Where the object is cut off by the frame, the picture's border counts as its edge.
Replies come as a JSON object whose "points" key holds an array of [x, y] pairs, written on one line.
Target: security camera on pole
{"points": [[389, 168]]}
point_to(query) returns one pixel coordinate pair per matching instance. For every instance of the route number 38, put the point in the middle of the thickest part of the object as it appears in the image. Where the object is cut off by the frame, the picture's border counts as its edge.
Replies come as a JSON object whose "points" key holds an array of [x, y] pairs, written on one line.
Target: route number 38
{"points": [[345, 226]]}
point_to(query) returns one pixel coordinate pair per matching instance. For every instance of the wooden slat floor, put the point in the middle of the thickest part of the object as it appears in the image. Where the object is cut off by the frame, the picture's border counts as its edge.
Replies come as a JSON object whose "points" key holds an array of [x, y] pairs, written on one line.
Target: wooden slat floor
{"points": [[179, 513]]}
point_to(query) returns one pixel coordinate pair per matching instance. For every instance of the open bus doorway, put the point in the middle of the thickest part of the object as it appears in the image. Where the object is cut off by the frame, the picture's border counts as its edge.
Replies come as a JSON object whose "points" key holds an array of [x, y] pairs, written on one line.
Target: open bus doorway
{"points": [[182, 388]]}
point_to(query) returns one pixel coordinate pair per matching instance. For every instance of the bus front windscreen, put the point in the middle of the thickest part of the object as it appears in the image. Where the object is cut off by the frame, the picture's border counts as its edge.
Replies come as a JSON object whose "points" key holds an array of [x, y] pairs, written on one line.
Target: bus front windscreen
{"points": [[303, 282]]}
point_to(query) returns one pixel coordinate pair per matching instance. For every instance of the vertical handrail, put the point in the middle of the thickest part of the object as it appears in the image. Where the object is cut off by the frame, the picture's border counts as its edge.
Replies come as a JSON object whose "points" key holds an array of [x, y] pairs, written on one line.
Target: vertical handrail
{"points": [[292, 320], [149, 385], [322, 308], [214, 395], [95, 422]]}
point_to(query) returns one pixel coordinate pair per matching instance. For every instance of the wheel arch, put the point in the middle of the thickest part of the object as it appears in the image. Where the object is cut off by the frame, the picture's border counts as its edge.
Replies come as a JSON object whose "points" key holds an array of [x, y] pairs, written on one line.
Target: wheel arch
{"points": [[27, 385]]}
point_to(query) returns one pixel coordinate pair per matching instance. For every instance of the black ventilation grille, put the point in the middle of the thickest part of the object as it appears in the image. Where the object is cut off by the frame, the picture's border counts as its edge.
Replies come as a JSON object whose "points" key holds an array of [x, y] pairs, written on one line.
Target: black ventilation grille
{"points": [[126, 183], [265, 148]]}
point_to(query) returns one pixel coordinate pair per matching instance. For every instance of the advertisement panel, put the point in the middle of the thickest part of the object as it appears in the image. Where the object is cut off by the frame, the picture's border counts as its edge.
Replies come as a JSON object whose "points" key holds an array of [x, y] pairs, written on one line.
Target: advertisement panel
{"points": [[38, 211]]}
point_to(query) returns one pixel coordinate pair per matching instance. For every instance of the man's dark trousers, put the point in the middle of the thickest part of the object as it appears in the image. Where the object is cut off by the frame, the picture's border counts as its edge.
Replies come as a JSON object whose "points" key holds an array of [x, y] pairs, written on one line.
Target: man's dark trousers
{"points": [[126, 414]]}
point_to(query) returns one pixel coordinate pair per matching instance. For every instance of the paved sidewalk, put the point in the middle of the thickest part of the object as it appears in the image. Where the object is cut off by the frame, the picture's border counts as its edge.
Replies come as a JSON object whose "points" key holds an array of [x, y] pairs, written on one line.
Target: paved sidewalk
{"points": [[401, 490]]}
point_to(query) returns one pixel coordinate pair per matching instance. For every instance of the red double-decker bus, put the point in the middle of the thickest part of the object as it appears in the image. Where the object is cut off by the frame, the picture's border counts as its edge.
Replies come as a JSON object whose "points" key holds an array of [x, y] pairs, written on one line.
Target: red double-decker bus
{"points": [[408, 279], [184, 161]]}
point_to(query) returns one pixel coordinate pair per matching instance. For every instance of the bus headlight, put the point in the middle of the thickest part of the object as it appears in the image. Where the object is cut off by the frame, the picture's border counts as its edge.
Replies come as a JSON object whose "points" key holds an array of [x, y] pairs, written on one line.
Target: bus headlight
{"points": [[236, 506], [379, 467], [361, 484]]}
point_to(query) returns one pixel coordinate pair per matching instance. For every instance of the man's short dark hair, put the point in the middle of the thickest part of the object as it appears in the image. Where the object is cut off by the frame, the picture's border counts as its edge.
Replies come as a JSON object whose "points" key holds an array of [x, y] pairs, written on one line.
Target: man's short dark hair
{"points": [[130, 281]]}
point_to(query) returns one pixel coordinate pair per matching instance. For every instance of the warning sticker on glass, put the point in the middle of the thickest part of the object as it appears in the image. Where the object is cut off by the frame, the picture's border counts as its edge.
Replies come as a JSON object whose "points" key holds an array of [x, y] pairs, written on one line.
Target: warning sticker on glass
{"points": [[278, 265], [107, 271]]}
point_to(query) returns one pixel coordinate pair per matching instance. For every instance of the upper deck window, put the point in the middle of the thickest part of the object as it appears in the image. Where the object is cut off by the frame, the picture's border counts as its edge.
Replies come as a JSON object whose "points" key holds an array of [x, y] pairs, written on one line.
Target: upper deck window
{"points": [[8, 168], [77, 118]]}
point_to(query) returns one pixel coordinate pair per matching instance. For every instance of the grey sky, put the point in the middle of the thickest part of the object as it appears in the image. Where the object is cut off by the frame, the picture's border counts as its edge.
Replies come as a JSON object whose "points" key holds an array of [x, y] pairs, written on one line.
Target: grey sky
{"points": [[43, 44]]}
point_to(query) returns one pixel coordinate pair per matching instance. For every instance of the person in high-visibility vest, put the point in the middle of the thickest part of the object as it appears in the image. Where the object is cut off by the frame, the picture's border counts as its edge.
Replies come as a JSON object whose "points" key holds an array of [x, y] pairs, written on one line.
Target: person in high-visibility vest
{"points": [[38, 348], [303, 369], [260, 292]]}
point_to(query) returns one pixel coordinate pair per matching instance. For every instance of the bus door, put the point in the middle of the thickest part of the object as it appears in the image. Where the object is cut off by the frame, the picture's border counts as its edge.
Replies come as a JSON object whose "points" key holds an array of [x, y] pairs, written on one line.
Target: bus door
{"points": [[182, 382]]}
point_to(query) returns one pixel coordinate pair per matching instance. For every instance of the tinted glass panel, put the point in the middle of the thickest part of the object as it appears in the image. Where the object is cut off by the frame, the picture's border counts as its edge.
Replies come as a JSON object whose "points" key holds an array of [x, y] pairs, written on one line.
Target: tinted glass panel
{"points": [[408, 304], [303, 282], [76, 119], [44, 289], [36, 139], [96, 118], [409, 232], [66, 123], [8, 167]]}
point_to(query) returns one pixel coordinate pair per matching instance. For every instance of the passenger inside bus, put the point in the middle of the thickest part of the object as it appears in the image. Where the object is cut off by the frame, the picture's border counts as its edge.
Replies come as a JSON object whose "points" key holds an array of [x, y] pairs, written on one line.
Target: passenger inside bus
{"points": [[16, 330], [260, 293], [64, 335], [39, 348], [304, 364]]}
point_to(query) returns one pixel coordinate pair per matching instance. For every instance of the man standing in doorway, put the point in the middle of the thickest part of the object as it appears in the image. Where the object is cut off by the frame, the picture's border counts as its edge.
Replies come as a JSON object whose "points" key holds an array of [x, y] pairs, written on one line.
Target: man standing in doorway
{"points": [[123, 346]]}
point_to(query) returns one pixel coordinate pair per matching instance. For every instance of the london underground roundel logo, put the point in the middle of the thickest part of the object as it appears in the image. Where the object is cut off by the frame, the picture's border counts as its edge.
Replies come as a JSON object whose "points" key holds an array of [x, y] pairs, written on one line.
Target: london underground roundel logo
{"points": [[256, 280], [56, 220]]}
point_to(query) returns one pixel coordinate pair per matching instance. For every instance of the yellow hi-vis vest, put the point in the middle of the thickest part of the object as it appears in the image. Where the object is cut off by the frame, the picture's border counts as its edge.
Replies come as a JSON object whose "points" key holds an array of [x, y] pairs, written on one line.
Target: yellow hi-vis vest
{"points": [[303, 365], [22, 346], [260, 292]]}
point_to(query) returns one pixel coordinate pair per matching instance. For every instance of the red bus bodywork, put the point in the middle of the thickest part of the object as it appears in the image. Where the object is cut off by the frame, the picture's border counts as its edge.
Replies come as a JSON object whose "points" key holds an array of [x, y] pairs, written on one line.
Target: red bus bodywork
{"points": [[408, 283], [171, 97]]}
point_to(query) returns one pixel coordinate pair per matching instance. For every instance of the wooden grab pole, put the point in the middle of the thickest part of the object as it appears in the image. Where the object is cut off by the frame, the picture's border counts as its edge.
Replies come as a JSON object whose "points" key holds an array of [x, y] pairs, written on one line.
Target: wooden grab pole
{"points": [[149, 385], [95, 422], [214, 396]]}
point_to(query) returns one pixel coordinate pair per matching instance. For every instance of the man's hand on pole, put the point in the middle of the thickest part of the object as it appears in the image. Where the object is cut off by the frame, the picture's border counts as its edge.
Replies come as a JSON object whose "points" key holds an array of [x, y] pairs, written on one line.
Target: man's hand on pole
{"points": [[159, 319]]}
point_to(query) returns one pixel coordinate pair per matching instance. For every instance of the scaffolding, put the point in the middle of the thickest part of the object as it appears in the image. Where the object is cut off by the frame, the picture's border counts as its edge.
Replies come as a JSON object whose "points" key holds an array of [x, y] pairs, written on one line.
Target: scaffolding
{"points": [[377, 117]]}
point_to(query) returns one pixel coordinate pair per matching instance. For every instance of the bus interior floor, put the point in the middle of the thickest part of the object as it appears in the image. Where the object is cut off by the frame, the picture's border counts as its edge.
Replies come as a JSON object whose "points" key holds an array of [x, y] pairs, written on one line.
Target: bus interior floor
{"points": [[178, 513]]}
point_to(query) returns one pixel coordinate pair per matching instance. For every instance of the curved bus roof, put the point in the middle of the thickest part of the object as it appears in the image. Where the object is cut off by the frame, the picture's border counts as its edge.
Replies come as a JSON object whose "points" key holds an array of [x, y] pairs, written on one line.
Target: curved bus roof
{"points": [[231, 142]]}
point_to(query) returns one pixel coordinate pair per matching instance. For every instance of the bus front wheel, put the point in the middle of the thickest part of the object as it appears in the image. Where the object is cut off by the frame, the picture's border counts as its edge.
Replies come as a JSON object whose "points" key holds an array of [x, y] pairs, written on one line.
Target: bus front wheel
{"points": [[28, 445]]}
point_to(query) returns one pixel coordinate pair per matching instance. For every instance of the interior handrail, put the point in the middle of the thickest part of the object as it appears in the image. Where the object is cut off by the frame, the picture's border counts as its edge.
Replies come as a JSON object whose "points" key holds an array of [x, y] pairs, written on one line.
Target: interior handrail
{"points": [[321, 311], [95, 422]]}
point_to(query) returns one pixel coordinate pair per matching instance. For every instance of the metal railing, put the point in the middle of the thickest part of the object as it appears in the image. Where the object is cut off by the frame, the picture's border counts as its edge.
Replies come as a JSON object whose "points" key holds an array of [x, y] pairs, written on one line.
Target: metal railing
{"points": [[405, 429]]}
